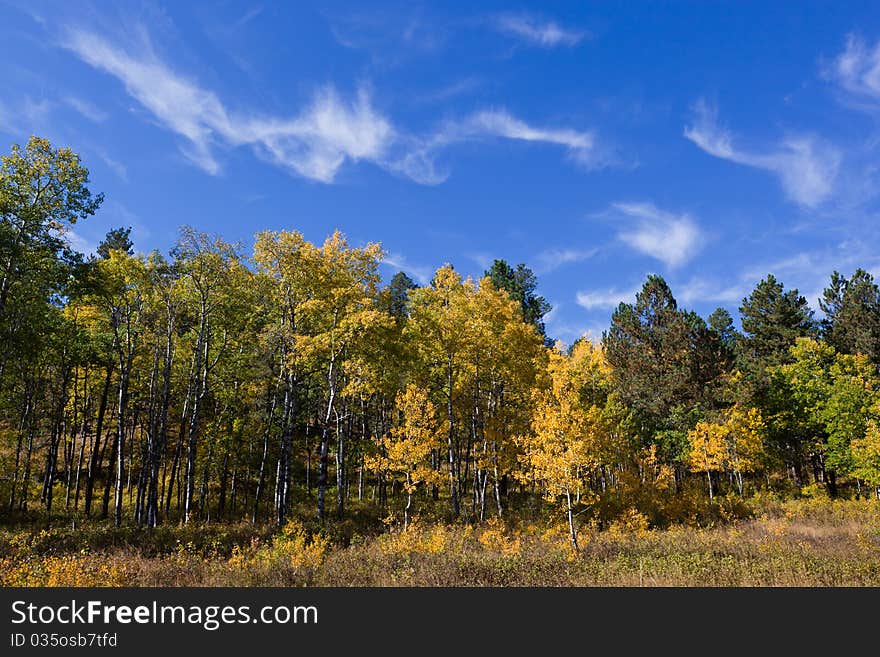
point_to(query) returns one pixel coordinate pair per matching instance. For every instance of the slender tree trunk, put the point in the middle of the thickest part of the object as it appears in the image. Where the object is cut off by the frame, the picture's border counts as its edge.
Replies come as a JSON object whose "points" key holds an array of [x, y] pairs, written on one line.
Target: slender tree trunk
{"points": [[571, 529], [450, 443], [49, 475], [79, 467], [233, 490], [204, 505], [261, 477], [201, 369], [174, 478], [122, 409], [111, 475], [157, 451], [224, 480], [25, 418], [94, 460], [408, 502], [340, 470], [282, 484], [325, 440], [26, 475]]}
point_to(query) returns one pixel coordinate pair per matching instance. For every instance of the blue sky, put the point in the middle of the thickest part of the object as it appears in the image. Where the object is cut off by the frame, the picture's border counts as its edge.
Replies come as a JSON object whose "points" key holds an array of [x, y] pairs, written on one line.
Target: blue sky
{"points": [[711, 143]]}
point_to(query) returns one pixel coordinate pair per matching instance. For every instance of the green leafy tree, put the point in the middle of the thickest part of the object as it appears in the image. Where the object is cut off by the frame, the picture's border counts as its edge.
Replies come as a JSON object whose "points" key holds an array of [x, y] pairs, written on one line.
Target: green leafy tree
{"points": [[866, 456], [829, 398], [43, 192]]}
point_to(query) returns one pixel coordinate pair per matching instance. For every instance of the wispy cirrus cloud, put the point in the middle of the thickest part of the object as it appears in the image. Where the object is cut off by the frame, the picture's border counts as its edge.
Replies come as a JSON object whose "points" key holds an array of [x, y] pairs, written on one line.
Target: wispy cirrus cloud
{"points": [[604, 298], [481, 259], [452, 90], [499, 123], [567, 331], [808, 271], [314, 143], [114, 165], [419, 160], [86, 109], [322, 138], [80, 243], [176, 102], [536, 31], [805, 165], [699, 289], [552, 259], [856, 71], [671, 238], [420, 273], [24, 117]]}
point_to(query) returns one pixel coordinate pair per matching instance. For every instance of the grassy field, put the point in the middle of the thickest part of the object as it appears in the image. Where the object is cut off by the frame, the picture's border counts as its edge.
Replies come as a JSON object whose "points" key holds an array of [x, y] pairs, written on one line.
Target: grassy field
{"points": [[807, 542]]}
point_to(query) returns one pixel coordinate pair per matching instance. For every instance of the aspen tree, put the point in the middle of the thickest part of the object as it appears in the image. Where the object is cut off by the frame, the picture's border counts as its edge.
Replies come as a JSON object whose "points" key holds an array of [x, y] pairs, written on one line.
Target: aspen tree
{"points": [[404, 450], [564, 437]]}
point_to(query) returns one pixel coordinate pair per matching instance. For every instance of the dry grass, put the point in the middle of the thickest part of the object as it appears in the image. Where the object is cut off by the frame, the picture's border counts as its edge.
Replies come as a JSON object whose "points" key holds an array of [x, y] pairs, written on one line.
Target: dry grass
{"points": [[798, 543]]}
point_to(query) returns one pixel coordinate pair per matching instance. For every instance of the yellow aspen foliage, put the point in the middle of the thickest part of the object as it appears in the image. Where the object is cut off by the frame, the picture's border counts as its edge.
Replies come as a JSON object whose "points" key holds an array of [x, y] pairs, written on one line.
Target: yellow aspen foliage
{"points": [[657, 476], [440, 330], [736, 444], [404, 451], [561, 446], [745, 441], [708, 449], [495, 537]]}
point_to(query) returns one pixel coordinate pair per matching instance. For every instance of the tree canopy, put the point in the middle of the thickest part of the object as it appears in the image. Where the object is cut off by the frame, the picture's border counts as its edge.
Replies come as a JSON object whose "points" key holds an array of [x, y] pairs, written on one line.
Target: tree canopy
{"points": [[220, 383]]}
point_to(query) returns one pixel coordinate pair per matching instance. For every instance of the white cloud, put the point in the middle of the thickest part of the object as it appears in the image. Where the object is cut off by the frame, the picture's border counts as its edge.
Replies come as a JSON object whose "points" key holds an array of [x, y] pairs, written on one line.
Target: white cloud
{"points": [[701, 290], [418, 161], [86, 109], [811, 270], [315, 143], [422, 275], [178, 103], [318, 142], [797, 264], [610, 298], [805, 165], [672, 239], [559, 328], [546, 34], [482, 259], [449, 91], [26, 117], [857, 71], [553, 259], [499, 123], [115, 166], [80, 243]]}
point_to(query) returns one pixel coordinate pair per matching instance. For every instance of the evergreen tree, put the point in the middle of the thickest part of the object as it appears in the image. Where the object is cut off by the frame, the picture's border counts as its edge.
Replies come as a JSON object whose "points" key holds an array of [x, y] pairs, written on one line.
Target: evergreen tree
{"points": [[521, 284], [116, 239], [852, 315], [662, 361], [721, 325], [772, 319], [395, 295]]}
